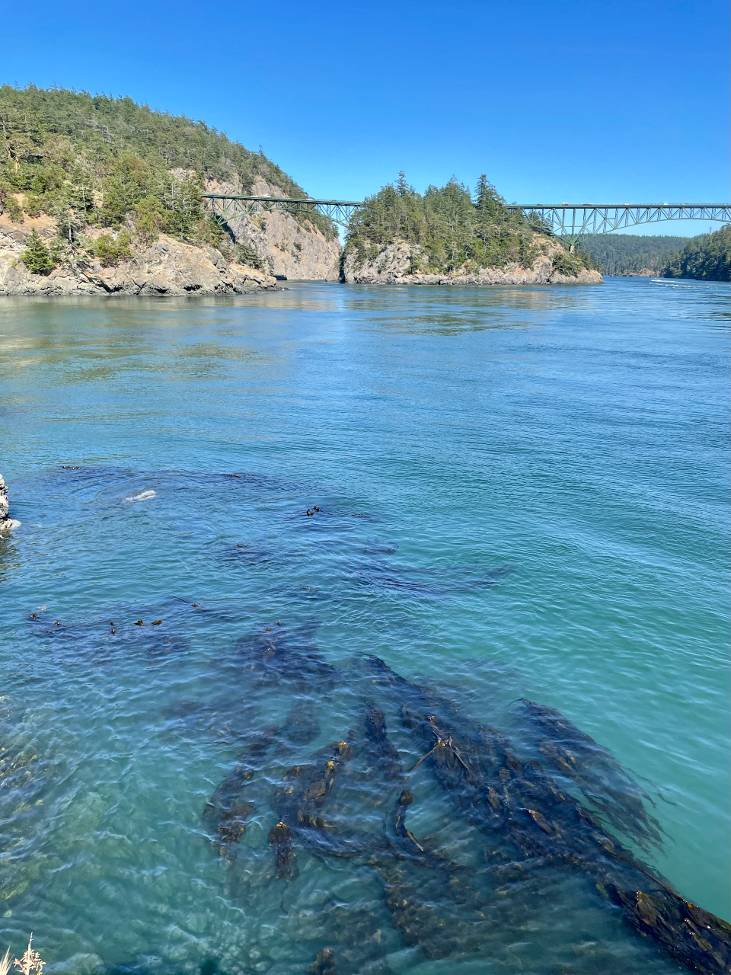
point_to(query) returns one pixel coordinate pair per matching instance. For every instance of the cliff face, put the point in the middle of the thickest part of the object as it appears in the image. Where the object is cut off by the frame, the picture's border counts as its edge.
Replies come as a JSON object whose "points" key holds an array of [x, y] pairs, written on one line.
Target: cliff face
{"points": [[398, 263], [286, 247], [99, 194], [164, 267]]}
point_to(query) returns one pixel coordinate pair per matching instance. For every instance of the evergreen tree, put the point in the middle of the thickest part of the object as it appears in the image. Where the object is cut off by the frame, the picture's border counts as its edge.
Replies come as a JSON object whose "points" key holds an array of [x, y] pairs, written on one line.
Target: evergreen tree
{"points": [[36, 256], [451, 231], [707, 258]]}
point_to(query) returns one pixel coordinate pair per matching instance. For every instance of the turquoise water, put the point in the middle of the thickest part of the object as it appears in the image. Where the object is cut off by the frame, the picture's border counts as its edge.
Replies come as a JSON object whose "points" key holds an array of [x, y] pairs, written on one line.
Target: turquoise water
{"points": [[522, 493]]}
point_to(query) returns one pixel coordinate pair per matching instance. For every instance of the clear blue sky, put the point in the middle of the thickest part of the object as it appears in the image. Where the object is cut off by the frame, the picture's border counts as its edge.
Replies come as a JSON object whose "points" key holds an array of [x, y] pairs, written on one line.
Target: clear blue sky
{"points": [[562, 100]]}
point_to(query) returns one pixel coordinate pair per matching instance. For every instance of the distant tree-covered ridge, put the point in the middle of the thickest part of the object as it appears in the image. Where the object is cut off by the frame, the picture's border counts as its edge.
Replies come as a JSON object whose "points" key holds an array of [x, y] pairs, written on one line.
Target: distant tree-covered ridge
{"points": [[91, 161], [707, 258], [449, 232], [630, 254]]}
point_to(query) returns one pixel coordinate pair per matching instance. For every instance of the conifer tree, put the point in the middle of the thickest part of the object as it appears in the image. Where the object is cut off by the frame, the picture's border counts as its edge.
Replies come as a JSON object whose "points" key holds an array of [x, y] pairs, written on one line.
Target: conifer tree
{"points": [[36, 256]]}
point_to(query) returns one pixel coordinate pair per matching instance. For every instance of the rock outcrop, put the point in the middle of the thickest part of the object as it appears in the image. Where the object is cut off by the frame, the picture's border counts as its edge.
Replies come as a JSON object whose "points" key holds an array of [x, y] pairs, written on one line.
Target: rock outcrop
{"points": [[286, 246], [399, 263], [7, 524], [165, 267]]}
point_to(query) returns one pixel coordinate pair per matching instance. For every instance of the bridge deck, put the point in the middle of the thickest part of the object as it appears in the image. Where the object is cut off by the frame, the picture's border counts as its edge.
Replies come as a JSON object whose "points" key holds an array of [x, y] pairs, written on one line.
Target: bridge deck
{"points": [[569, 220]]}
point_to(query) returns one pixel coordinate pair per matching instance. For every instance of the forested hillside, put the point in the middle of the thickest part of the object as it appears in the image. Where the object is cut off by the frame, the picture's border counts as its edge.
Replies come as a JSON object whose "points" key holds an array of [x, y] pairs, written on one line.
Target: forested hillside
{"points": [[447, 232], [707, 258], [94, 160], [628, 253], [88, 178]]}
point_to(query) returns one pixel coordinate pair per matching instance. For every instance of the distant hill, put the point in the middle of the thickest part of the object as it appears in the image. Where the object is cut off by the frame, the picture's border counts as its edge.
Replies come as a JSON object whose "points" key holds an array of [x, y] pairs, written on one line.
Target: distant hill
{"points": [[706, 258], [630, 254], [100, 179]]}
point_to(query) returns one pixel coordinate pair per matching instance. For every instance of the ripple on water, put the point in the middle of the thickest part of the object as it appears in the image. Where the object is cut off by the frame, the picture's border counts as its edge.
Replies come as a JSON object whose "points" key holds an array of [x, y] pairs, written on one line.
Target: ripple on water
{"points": [[521, 494]]}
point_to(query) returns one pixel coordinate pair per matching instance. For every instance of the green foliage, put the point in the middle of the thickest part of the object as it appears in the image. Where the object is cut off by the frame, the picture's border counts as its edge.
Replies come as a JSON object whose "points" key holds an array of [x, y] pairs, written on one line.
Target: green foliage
{"points": [[36, 256], [568, 264], [245, 254], [629, 253], [452, 231], [707, 257], [111, 250], [116, 163], [9, 204]]}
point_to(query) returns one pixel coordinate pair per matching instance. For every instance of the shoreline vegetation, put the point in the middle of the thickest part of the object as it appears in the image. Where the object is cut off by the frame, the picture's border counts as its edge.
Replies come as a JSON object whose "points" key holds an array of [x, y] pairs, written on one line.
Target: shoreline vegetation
{"points": [[443, 236], [704, 258], [630, 254], [100, 195]]}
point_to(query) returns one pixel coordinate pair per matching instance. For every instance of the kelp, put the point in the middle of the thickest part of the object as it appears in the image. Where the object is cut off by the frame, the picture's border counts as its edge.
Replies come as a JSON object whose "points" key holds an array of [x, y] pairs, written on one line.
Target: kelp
{"points": [[533, 813], [284, 654], [227, 811], [610, 789]]}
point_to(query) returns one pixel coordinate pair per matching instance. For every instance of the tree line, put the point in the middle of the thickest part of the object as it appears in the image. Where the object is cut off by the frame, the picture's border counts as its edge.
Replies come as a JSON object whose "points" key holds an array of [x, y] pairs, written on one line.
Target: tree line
{"points": [[707, 258], [629, 253], [452, 230]]}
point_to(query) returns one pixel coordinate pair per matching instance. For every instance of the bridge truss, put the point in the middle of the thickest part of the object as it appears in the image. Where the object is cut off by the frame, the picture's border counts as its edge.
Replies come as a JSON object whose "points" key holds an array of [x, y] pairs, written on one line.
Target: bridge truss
{"points": [[339, 211], [571, 220], [568, 220]]}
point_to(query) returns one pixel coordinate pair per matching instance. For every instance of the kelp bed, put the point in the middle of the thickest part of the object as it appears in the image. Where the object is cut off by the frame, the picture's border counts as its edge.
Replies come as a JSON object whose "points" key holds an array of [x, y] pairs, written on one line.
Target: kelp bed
{"points": [[556, 806], [325, 790]]}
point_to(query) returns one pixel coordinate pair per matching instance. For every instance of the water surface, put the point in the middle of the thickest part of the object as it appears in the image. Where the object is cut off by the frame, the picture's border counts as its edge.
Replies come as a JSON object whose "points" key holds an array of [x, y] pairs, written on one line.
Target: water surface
{"points": [[522, 493]]}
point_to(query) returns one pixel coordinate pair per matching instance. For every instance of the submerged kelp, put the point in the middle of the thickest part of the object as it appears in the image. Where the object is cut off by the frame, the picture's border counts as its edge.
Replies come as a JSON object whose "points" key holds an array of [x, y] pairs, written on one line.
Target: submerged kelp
{"points": [[530, 817]]}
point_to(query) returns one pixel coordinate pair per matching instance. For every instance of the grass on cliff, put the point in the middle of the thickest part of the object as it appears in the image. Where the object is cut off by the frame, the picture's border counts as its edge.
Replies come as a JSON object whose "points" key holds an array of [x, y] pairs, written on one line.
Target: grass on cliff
{"points": [[93, 161], [452, 231]]}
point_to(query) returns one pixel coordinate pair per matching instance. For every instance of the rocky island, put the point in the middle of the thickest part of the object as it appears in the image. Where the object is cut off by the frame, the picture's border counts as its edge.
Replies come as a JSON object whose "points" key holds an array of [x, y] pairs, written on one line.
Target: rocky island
{"points": [[103, 196], [445, 237]]}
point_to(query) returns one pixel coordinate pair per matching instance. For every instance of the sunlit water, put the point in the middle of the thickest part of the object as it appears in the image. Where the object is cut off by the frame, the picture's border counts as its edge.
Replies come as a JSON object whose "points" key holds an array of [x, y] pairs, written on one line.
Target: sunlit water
{"points": [[523, 493]]}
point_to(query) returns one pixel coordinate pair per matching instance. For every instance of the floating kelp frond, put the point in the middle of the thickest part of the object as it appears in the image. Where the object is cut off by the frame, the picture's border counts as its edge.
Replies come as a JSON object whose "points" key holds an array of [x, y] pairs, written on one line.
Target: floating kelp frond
{"points": [[611, 789], [696, 938]]}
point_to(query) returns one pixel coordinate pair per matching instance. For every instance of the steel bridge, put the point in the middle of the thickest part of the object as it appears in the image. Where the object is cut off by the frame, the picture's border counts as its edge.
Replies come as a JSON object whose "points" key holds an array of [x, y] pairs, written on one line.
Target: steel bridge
{"points": [[339, 211], [569, 220]]}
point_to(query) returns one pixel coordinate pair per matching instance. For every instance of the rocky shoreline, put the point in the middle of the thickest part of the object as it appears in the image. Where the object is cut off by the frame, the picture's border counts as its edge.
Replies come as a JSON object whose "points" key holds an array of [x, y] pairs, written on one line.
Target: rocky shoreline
{"points": [[394, 265], [173, 267], [274, 242], [165, 267], [7, 524]]}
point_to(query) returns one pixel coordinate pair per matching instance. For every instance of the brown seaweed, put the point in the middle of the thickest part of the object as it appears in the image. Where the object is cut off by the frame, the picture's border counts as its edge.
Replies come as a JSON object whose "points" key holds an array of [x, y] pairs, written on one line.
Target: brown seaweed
{"points": [[227, 811], [611, 790], [548, 826], [694, 937], [285, 654], [300, 799], [528, 823], [280, 839]]}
